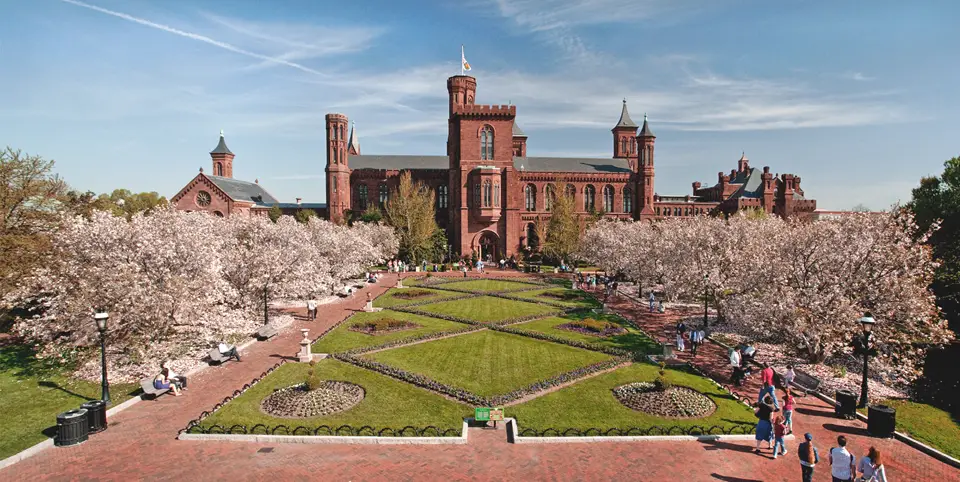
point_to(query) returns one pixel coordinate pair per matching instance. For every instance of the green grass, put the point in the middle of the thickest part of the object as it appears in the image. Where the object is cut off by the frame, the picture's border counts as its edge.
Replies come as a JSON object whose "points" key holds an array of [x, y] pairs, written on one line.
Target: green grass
{"points": [[486, 308], [927, 424], [591, 403], [389, 299], [386, 402], [488, 363], [343, 339], [487, 285], [33, 392], [632, 340], [582, 299]]}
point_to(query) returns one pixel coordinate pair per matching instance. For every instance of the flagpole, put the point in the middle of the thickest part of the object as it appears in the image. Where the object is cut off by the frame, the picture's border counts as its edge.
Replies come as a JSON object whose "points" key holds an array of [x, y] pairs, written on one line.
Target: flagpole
{"points": [[461, 59]]}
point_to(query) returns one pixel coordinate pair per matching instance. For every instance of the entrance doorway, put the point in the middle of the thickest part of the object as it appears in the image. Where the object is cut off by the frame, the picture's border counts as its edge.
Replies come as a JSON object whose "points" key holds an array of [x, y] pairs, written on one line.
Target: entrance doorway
{"points": [[489, 251]]}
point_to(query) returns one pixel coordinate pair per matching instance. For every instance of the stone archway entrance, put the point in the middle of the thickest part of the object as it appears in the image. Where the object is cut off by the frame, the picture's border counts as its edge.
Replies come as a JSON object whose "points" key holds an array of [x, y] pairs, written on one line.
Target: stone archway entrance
{"points": [[489, 247]]}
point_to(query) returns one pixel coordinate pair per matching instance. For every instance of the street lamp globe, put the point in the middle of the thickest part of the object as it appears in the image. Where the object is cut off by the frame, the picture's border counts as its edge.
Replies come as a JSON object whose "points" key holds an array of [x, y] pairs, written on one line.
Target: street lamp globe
{"points": [[867, 322], [101, 319]]}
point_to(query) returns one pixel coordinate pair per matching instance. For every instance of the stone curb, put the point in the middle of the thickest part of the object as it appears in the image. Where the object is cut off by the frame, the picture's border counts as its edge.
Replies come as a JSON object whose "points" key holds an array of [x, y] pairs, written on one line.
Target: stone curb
{"points": [[329, 439], [513, 436]]}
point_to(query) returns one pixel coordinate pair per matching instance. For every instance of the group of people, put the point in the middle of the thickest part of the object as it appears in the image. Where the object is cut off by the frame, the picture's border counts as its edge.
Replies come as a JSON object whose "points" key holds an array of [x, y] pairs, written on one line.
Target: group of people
{"points": [[168, 379], [843, 464], [656, 306], [696, 337]]}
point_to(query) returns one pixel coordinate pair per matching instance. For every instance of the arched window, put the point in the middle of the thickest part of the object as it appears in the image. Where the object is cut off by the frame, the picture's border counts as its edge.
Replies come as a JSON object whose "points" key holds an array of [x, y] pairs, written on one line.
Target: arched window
{"points": [[336, 156], [633, 145], [384, 195], [530, 193], [571, 190], [218, 214], [532, 240], [218, 169], [487, 193], [588, 194], [643, 158], [608, 199], [336, 185], [476, 194], [362, 197], [496, 194], [627, 200], [623, 145], [550, 196], [443, 195], [486, 143]]}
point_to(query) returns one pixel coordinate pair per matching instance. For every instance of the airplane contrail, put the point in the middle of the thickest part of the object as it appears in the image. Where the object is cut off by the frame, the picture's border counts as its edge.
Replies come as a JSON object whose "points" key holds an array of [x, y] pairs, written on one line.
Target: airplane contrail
{"points": [[194, 36]]}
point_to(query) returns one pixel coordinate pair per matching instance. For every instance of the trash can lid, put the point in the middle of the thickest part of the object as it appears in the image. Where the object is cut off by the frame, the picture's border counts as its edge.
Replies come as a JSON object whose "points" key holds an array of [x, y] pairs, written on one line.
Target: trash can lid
{"points": [[92, 404], [77, 412]]}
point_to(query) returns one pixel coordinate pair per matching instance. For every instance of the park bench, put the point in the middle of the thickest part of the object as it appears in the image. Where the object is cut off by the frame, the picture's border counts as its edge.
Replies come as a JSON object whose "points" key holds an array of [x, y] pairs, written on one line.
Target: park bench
{"points": [[266, 332], [146, 385], [217, 357], [806, 381]]}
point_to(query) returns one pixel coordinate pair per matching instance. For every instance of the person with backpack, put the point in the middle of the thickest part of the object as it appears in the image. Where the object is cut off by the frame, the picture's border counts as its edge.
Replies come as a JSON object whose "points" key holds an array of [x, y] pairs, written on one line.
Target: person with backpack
{"points": [[843, 465], [809, 457]]}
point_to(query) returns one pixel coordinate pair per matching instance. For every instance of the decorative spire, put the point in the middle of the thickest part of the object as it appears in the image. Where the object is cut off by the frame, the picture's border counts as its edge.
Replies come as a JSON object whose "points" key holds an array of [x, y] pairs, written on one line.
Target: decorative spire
{"points": [[353, 146], [743, 156], [221, 146], [645, 130], [625, 120]]}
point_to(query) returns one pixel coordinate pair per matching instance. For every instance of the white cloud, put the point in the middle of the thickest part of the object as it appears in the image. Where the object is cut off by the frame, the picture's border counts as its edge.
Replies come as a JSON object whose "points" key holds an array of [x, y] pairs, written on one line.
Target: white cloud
{"points": [[857, 76]]}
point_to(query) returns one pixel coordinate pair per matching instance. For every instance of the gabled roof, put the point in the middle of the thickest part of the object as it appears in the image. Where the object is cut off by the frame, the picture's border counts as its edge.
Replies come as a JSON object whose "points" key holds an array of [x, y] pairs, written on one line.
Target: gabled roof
{"points": [[221, 147], [571, 164], [243, 190], [625, 120], [517, 132], [645, 131], [752, 185]]}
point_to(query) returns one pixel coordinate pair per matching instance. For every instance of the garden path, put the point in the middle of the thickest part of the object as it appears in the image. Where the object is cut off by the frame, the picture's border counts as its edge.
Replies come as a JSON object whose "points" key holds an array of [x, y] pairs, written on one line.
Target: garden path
{"points": [[141, 441]]}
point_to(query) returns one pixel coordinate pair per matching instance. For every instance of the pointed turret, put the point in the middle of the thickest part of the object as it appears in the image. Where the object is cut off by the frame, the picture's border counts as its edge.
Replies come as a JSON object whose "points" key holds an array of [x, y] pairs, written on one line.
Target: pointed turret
{"points": [[625, 120], [743, 164], [222, 159], [353, 147], [645, 130], [519, 141]]}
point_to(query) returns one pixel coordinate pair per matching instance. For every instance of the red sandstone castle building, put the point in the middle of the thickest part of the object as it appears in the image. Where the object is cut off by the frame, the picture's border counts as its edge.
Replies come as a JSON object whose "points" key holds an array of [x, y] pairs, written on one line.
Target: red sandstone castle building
{"points": [[489, 193]]}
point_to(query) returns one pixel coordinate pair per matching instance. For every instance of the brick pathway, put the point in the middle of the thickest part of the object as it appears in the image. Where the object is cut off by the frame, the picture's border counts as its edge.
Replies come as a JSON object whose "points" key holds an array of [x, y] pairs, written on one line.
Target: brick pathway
{"points": [[141, 442]]}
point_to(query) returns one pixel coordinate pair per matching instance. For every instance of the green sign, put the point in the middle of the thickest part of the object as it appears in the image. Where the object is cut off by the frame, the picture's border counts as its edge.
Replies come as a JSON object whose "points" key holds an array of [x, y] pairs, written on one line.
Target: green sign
{"points": [[486, 414]]}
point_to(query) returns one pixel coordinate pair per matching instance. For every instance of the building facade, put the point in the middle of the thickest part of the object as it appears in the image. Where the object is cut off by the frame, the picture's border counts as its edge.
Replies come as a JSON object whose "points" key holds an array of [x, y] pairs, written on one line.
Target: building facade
{"points": [[489, 193]]}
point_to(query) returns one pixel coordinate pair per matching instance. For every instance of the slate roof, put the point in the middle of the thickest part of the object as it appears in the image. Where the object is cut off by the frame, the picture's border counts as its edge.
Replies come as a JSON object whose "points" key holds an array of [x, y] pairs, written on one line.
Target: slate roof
{"points": [[645, 131], [221, 147], [625, 120], [398, 162], [517, 132], [302, 205], [571, 164], [752, 184], [243, 190]]}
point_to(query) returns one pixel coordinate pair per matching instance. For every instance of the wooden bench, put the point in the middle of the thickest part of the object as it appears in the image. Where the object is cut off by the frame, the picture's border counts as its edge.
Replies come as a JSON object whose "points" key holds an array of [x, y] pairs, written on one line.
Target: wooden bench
{"points": [[806, 381], [217, 357], [146, 385], [266, 332]]}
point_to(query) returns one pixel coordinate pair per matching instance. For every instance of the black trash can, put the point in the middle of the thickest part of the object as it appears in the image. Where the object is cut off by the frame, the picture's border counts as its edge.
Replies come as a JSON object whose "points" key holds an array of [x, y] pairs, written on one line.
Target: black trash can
{"points": [[846, 404], [72, 428], [881, 420], [96, 415]]}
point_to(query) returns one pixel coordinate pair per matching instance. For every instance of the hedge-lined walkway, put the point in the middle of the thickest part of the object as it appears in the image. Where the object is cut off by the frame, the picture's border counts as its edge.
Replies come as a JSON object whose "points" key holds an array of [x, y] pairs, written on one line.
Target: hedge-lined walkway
{"points": [[141, 442]]}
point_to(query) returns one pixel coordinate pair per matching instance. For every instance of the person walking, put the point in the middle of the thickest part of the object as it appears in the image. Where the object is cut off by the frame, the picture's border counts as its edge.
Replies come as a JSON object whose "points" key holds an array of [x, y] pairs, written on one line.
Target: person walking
{"points": [[653, 301], [809, 457], [311, 310], [789, 402], [694, 341], [764, 427], [842, 463], [681, 331], [871, 467], [779, 432]]}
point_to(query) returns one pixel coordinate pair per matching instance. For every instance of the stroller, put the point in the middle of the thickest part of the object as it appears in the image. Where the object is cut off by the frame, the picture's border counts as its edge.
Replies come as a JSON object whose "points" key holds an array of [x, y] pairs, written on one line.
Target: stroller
{"points": [[740, 374]]}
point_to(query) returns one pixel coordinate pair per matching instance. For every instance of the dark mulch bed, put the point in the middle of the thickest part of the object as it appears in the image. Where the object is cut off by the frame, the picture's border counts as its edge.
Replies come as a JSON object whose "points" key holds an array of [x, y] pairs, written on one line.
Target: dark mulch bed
{"points": [[610, 329], [380, 327], [412, 294], [299, 402], [562, 296]]}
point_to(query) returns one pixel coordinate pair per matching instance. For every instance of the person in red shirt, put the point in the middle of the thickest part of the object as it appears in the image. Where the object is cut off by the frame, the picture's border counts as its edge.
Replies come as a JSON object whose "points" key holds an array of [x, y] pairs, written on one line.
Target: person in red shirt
{"points": [[766, 375], [779, 432]]}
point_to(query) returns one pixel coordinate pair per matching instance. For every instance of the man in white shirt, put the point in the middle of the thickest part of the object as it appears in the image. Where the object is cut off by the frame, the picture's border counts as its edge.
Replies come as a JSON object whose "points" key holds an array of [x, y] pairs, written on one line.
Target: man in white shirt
{"points": [[842, 462], [735, 364]]}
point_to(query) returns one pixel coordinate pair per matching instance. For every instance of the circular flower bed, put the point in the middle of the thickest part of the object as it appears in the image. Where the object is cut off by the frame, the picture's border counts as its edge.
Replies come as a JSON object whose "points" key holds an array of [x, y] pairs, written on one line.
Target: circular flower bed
{"points": [[299, 402], [675, 402]]}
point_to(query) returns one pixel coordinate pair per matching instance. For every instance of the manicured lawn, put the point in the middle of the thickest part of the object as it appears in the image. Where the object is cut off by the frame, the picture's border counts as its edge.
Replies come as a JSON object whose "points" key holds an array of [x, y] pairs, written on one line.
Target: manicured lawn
{"points": [[343, 339], [386, 402], [487, 285], [572, 298], [632, 340], [488, 363], [390, 298], [33, 392], [927, 424], [591, 403], [486, 308]]}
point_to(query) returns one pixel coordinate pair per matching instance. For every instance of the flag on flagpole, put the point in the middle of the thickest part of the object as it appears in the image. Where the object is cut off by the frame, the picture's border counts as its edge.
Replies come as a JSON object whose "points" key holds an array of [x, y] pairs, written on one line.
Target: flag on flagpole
{"points": [[464, 65]]}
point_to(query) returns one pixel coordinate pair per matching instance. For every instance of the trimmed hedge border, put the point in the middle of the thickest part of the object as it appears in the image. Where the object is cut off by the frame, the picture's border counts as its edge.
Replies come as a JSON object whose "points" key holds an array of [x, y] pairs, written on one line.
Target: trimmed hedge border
{"points": [[470, 397], [328, 430], [441, 300], [467, 321]]}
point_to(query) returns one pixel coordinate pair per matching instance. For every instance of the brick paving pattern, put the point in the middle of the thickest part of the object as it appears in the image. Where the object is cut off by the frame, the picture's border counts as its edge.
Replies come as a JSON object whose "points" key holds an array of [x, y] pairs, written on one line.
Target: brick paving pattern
{"points": [[141, 441]]}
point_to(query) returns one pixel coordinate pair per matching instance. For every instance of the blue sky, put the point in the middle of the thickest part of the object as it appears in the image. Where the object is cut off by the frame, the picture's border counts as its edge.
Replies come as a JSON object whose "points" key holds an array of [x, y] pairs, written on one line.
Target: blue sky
{"points": [[859, 98]]}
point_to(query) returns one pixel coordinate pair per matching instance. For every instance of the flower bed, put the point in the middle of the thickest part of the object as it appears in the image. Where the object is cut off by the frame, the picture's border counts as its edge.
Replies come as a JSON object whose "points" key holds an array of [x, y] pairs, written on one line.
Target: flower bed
{"points": [[565, 296], [674, 402], [381, 326], [589, 326], [412, 294], [298, 401]]}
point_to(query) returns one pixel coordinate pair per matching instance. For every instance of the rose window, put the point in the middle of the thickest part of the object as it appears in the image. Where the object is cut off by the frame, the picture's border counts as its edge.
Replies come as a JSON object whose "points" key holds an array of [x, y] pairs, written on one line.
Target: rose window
{"points": [[203, 199]]}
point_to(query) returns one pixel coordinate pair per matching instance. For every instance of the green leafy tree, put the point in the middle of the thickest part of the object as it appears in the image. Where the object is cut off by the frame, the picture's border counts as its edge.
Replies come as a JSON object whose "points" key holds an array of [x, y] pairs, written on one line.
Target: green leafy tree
{"points": [[123, 203], [564, 229], [31, 199], [371, 215], [303, 216], [274, 213], [411, 212]]}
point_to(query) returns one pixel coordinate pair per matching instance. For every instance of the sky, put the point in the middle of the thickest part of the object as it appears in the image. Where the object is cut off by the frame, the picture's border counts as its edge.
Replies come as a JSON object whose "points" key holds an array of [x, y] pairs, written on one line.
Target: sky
{"points": [[858, 98]]}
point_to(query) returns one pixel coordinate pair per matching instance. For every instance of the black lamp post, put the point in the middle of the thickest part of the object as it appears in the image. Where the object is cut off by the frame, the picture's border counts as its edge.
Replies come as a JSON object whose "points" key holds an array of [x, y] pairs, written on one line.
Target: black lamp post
{"points": [[704, 301], [101, 319], [863, 344]]}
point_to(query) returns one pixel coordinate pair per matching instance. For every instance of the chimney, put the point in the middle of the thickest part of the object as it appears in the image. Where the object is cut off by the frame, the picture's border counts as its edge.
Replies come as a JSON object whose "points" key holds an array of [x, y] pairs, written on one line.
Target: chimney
{"points": [[298, 201]]}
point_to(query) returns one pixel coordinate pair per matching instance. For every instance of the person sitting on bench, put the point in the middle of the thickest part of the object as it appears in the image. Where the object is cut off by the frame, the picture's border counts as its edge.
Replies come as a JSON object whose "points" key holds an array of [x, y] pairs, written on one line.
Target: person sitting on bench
{"points": [[161, 382], [174, 377], [229, 351]]}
